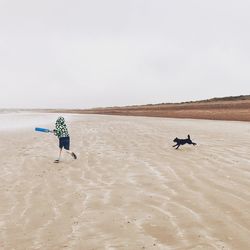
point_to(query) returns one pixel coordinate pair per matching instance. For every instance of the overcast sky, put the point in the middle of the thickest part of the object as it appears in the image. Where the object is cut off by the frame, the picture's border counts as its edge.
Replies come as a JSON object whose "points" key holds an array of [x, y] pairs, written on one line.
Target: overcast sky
{"points": [[90, 53]]}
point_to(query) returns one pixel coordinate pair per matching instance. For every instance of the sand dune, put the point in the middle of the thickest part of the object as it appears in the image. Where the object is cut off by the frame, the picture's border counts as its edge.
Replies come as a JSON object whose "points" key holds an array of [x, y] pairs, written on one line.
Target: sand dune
{"points": [[129, 189], [228, 108]]}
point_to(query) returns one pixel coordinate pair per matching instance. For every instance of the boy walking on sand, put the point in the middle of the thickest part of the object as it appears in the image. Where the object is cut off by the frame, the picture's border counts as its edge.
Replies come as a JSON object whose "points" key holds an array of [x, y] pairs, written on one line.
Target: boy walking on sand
{"points": [[61, 132]]}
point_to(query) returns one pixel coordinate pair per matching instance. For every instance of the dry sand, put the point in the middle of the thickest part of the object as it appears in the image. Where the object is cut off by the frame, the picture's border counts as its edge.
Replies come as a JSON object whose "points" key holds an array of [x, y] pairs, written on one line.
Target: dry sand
{"points": [[129, 189]]}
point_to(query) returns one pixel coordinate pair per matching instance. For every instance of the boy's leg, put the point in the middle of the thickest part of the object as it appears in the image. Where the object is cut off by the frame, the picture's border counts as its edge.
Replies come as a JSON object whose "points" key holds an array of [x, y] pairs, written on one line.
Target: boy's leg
{"points": [[71, 153], [60, 152]]}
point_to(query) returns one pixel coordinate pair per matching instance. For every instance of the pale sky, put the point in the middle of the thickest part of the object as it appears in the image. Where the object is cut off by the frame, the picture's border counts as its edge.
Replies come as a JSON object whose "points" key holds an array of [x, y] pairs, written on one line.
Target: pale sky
{"points": [[91, 53]]}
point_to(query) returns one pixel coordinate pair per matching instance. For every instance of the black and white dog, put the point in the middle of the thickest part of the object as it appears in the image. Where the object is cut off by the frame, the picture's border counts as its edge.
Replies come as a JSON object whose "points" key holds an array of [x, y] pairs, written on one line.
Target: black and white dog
{"points": [[180, 142]]}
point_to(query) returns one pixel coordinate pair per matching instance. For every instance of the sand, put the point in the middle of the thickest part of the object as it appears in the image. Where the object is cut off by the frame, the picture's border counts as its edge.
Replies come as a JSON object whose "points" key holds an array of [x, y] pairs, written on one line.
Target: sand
{"points": [[129, 189]]}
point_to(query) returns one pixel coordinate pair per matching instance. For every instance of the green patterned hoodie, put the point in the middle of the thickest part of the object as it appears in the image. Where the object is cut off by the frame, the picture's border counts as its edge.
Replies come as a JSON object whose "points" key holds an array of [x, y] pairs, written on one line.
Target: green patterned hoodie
{"points": [[61, 128]]}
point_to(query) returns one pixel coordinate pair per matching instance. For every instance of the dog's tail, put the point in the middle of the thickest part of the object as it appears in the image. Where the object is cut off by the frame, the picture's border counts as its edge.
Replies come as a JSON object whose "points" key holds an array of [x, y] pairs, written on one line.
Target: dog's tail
{"points": [[188, 137]]}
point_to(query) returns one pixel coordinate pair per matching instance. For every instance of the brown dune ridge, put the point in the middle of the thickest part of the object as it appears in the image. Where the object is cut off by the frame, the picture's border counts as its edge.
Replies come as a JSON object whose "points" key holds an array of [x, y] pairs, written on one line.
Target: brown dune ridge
{"points": [[228, 108], [233, 108]]}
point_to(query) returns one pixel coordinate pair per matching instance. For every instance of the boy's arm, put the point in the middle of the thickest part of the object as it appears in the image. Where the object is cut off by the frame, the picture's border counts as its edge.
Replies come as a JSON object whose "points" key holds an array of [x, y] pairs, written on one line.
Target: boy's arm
{"points": [[57, 131]]}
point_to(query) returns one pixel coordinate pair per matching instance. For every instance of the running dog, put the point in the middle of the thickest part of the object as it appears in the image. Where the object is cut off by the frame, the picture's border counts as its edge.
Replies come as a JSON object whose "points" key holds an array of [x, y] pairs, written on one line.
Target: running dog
{"points": [[180, 142]]}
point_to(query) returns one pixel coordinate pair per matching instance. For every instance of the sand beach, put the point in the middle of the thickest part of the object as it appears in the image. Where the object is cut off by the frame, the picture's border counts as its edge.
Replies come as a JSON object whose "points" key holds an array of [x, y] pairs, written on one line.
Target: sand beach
{"points": [[129, 188]]}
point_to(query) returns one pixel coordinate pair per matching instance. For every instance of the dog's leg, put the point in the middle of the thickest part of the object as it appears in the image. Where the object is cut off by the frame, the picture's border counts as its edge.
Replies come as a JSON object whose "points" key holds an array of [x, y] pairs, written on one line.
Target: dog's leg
{"points": [[178, 146], [175, 145]]}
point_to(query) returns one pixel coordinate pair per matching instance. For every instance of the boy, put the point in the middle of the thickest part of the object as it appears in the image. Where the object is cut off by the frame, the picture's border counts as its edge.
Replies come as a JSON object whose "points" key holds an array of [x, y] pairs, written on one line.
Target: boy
{"points": [[61, 132]]}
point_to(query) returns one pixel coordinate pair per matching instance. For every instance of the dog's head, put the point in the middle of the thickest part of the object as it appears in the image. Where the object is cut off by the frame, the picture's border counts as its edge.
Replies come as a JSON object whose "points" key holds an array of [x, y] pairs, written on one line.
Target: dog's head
{"points": [[176, 140]]}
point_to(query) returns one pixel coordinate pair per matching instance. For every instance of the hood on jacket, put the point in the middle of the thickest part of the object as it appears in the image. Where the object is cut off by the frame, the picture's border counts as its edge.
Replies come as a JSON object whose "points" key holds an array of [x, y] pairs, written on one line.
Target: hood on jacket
{"points": [[60, 120]]}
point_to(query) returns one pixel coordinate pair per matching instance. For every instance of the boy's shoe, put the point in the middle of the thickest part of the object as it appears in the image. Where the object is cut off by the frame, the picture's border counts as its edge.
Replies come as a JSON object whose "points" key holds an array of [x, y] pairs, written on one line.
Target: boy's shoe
{"points": [[56, 161], [73, 155]]}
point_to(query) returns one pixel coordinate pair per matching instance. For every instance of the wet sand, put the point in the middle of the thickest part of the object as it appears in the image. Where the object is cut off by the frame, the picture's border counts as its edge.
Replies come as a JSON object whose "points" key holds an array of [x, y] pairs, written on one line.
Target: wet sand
{"points": [[128, 189]]}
